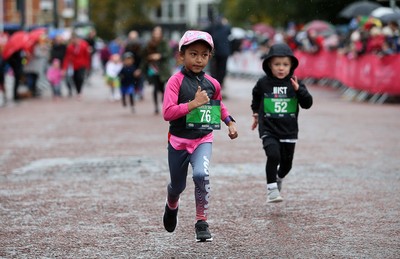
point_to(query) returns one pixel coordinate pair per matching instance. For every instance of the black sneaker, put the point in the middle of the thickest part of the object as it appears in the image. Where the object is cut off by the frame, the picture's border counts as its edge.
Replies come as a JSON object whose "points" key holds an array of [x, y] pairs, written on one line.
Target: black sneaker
{"points": [[202, 232], [170, 219]]}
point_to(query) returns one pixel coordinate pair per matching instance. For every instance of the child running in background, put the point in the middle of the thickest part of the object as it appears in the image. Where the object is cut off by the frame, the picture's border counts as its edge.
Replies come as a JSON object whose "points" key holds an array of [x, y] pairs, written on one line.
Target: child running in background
{"points": [[276, 100], [128, 76], [193, 106], [113, 67], [54, 76]]}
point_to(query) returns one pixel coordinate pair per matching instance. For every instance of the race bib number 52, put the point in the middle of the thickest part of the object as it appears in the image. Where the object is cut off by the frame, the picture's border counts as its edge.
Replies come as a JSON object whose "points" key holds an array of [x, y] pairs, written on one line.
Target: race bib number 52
{"points": [[280, 107], [207, 116]]}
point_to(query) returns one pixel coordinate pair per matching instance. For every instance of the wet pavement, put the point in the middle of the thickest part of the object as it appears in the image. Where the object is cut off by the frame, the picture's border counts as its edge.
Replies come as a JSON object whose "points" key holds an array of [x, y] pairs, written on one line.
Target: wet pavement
{"points": [[87, 179]]}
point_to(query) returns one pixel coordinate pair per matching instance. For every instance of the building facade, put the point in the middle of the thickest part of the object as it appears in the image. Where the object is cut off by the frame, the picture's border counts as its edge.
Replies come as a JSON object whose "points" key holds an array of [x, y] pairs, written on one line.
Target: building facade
{"points": [[183, 13], [176, 16], [173, 15], [28, 13]]}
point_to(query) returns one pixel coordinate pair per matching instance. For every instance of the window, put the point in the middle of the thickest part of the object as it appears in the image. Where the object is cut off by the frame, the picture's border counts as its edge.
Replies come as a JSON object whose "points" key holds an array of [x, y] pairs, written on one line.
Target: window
{"points": [[170, 10], [19, 5], [69, 3], [159, 12], [182, 10]]}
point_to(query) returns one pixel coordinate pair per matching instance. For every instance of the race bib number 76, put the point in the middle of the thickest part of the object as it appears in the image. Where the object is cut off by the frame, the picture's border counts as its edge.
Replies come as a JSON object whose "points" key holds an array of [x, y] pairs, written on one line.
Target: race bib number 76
{"points": [[207, 116]]}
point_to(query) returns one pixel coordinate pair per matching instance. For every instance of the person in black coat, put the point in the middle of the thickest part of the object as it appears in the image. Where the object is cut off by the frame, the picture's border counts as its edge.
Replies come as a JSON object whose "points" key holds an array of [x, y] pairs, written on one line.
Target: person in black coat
{"points": [[220, 32], [128, 78], [57, 51], [134, 46], [15, 62]]}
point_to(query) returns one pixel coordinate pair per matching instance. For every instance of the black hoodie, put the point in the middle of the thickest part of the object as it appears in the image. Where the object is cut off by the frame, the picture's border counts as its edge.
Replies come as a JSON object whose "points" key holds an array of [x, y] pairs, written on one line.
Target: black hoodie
{"points": [[276, 101]]}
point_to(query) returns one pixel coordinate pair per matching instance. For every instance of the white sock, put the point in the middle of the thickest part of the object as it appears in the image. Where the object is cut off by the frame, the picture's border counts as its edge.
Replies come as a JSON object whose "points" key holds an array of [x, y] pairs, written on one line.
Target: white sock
{"points": [[271, 186]]}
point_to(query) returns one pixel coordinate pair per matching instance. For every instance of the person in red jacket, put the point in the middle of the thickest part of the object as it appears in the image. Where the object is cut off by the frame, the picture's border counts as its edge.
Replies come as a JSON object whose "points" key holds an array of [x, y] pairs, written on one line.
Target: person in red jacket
{"points": [[78, 58]]}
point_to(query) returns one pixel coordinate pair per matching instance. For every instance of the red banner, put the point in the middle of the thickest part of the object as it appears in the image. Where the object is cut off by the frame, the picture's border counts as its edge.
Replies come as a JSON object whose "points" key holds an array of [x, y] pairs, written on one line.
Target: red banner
{"points": [[369, 72]]}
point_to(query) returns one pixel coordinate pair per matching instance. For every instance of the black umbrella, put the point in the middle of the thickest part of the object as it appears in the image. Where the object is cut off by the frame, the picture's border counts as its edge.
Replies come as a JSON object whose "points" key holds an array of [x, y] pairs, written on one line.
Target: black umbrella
{"points": [[390, 17], [358, 8]]}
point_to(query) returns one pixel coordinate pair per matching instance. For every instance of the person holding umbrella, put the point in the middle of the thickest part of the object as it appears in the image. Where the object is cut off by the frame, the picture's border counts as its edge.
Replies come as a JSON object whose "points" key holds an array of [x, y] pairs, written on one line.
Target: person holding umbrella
{"points": [[12, 55]]}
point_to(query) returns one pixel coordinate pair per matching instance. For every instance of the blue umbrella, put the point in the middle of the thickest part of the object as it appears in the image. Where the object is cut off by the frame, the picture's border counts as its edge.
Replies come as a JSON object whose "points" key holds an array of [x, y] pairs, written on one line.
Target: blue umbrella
{"points": [[55, 32]]}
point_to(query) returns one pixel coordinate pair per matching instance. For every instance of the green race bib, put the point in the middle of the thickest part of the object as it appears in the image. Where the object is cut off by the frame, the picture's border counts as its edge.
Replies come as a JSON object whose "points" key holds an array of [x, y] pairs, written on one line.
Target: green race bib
{"points": [[206, 117], [280, 106]]}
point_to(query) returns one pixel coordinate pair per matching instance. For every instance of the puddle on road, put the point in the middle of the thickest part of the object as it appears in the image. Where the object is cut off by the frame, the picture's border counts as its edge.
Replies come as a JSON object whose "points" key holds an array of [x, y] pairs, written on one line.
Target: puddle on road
{"points": [[116, 168], [109, 167]]}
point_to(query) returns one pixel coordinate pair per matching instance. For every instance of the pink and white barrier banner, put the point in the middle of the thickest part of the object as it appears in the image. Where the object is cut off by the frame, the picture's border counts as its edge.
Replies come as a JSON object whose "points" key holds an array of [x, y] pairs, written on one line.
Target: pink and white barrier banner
{"points": [[370, 73], [246, 62]]}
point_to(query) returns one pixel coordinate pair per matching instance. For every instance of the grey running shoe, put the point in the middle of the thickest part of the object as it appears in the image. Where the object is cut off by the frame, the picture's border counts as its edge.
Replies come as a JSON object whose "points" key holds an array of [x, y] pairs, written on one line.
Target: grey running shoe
{"points": [[170, 218], [202, 232], [279, 183], [274, 195]]}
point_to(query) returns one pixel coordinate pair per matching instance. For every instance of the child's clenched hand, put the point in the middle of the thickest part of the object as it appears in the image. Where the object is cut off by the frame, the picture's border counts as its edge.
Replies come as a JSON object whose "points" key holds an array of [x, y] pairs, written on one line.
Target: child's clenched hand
{"points": [[232, 130], [200, 99], [255, 121]]}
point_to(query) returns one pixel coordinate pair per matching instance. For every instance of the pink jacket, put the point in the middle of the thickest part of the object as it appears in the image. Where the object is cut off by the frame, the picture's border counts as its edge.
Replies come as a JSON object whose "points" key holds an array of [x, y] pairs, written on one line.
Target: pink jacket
{"points": [[54, 75], [172, 110]]}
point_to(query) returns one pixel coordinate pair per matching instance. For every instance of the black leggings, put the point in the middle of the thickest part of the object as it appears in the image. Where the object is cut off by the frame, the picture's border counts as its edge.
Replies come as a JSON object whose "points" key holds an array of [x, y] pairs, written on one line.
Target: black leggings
{"points": [[2, 78], [158, 88], [16, 66], [32, 79], [278, 154], [130, 98], [79, 78]]}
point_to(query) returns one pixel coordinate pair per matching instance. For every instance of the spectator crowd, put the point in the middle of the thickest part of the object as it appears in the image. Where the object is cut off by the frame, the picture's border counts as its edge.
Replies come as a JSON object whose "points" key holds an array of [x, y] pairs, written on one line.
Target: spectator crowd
{"points": [[361, 36], [68, 61]]}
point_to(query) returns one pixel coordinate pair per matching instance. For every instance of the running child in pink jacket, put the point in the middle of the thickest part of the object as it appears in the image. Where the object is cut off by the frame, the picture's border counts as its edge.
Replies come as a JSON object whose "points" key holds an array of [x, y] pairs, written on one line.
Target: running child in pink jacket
{"points": [[194, 108]]}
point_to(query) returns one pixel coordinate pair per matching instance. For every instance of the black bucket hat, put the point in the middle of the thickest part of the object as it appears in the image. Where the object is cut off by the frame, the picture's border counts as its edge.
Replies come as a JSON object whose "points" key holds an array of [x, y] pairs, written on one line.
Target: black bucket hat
{"points": [[280, 50]]}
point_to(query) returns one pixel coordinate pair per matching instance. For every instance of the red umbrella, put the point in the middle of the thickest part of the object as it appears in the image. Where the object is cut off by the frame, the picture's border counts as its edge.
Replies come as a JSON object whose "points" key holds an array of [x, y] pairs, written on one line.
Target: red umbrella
{"points": [[16, 42], [320, 27], [34, 37], [264, 29]]}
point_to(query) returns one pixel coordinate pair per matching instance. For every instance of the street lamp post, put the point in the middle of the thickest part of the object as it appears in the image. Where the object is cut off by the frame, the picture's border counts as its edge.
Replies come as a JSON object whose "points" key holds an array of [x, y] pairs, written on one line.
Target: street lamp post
{"points": [[1, 17], [55, 14], [22, 10]]}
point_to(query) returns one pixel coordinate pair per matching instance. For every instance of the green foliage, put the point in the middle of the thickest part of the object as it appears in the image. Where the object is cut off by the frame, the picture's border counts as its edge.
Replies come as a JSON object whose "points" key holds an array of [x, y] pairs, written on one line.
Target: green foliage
{"points": [[279, 12], [116, 17]]}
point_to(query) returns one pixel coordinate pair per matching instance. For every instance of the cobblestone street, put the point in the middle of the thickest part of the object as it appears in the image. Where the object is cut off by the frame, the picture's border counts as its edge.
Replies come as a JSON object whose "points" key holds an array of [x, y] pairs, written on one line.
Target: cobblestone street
{"points": [[87, 179]]}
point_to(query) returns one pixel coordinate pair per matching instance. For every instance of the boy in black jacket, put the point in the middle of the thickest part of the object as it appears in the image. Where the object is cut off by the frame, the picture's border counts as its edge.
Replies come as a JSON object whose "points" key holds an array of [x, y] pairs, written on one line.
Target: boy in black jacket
{"points": [[275, 105], [128, 78]]}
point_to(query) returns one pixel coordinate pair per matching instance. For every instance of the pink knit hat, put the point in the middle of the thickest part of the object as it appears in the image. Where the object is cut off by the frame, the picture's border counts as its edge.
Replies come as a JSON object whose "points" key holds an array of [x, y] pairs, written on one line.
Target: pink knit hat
{"points": [[192, 36]]}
